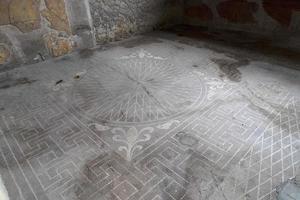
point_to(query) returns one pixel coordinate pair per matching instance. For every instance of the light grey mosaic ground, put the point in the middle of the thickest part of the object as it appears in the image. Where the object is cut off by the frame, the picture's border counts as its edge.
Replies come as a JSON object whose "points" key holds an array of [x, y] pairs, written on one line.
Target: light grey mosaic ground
{"points": [[152, 119]]}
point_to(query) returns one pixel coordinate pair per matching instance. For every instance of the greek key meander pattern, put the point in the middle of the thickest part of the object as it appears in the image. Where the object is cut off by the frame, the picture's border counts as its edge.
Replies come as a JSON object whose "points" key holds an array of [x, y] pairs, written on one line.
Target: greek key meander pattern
{"points": [[219, 151], [48, 154]]}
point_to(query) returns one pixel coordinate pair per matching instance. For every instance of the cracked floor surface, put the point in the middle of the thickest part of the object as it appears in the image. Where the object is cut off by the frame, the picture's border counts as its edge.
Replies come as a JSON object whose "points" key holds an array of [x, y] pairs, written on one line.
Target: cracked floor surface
{"points": [[154, 117]]}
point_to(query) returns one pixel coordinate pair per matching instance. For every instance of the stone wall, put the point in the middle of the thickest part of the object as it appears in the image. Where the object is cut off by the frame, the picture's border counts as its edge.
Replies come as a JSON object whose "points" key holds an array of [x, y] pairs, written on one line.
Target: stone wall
{"points": [[32, 30], [263, 16], [117, 19]]}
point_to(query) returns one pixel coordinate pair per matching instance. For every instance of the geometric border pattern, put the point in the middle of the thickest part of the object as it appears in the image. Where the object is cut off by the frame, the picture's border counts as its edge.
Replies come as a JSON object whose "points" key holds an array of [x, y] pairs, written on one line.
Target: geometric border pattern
{"points": [[232, 147]]}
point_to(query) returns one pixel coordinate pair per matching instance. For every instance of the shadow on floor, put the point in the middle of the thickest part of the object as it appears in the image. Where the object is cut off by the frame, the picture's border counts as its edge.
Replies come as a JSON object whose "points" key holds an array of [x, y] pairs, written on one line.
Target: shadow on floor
{"points": [[258, 44]]}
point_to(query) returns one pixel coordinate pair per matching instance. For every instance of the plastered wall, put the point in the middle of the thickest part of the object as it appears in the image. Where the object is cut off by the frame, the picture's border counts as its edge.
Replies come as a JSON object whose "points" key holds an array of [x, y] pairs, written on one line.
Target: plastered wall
{"points": [[262, 16]]}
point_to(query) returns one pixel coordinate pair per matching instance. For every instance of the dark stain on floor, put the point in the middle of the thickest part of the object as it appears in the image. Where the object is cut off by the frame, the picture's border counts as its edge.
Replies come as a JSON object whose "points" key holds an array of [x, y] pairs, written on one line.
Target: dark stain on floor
{"points": [[9, 82], [179, 47], [64, 58], [86, 53], [59, 82], [186, 139], [229, 68], [140, 41], [256, 44]]}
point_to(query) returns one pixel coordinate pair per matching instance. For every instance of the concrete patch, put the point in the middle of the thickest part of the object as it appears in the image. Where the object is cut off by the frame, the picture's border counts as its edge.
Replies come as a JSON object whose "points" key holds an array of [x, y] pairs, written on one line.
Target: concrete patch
{"points": [[3, 191], [289, 191]]}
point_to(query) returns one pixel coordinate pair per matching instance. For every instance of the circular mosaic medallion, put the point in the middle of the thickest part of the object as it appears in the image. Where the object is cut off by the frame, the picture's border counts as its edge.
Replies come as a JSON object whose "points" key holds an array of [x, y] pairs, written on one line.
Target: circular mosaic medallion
{"points": [[139, 88]]}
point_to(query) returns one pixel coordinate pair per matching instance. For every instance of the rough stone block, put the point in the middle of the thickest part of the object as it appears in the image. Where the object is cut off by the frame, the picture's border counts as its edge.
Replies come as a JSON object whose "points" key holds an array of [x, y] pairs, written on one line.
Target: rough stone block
{"points": [[56, 14], [24, 14], [58, 45], [4, 14], [4, 54]]}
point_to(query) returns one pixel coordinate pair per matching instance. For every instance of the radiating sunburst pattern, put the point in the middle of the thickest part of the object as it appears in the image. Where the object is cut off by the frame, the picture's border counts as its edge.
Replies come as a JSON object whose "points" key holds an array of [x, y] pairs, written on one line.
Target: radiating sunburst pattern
{"points": [[139, 88]]}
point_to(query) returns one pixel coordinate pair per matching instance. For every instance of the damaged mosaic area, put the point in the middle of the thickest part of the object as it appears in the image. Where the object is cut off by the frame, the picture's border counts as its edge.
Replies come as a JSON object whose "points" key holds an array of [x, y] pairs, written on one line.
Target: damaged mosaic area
{"points": [[158, 120]]}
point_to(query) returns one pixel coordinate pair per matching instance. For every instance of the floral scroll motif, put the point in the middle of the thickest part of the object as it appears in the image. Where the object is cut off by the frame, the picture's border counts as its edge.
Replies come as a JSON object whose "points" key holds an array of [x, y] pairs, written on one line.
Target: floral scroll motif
{"points": [[131, 139]]}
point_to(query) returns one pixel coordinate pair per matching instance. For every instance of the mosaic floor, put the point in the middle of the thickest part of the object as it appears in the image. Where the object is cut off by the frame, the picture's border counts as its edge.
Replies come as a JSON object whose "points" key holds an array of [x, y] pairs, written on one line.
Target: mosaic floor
{"points": [[149, 119]]}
